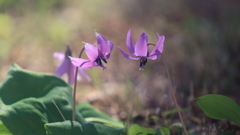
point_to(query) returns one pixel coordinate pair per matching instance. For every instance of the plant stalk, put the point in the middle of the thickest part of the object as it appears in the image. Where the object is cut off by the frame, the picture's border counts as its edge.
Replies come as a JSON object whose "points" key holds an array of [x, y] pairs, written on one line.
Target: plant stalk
{"points": [[174, 97], [74, 89], [58, 110]]}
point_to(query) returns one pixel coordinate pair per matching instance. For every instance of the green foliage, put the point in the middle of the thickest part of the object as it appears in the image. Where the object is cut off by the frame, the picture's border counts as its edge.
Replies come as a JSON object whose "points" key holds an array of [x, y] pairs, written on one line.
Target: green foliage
{"points": [[64, 128], [27, 108], [178, 127], [4, 130], [93, 115], [219, 107], [74, 128], [169, 112], [100, 129], [135, 129], [163, 131], [26, 101]]}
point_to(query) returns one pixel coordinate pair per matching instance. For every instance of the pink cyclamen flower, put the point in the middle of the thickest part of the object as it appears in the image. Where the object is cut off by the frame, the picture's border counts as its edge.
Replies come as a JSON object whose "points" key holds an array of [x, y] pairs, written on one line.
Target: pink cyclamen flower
{"points": [[68, 67], [141, 50], [96, 55]]}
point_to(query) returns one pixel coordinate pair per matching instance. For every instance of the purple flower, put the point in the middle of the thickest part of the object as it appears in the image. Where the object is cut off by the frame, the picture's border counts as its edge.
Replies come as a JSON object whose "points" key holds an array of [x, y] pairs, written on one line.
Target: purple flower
{"points": [[96, 55], [68, 67], [141, 50]]}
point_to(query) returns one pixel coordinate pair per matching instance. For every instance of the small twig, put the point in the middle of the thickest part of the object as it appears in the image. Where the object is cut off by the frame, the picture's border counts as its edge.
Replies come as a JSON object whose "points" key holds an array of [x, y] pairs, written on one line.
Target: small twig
{"points": [[58, 110], [75, 87], [174, 97]]}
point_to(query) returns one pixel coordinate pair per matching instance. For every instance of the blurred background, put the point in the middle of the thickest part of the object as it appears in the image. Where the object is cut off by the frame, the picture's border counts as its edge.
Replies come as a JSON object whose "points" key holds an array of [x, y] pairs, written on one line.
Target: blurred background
{"points": [[201, 49]]}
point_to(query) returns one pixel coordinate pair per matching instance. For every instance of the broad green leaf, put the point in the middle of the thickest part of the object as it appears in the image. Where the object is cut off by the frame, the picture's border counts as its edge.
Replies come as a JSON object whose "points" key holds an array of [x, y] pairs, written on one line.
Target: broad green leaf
{"points": [[75, 128], [26, 101], [219, 107], [163, 131], [93, 115], [64, 128], [105, 122], [135, 129], [100, 129], [4, 130]]}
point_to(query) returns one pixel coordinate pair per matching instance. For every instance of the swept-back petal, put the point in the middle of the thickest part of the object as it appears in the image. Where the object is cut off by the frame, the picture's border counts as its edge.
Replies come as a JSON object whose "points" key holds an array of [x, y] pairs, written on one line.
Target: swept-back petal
{"points": [[130, 43], [146, 38], [126, 55], [83, 63], [58, 55], [82, 72], [107, 55], [63, 68], [160, 43], [102, 43], [111, 46], [158, 49], [91, 51], [141, 47]]}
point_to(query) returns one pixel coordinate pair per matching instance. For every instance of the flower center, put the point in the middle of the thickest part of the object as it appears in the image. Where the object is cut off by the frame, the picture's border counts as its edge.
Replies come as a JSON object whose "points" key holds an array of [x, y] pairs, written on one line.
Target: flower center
{"points": [[99, 62], [143, 61]]}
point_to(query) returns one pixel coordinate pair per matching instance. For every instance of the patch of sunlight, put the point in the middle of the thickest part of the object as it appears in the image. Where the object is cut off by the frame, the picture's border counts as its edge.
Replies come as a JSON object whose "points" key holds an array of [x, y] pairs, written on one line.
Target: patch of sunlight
{"points": [[5, 26], [96, 79], [4, 51], [58, 32], [5, 34]]}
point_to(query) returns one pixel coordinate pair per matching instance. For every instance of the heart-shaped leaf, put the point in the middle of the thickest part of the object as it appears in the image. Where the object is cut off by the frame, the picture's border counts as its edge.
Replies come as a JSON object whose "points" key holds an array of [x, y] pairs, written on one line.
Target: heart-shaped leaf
{"points": [[64, 128], [75, 128], [100, 129], [4, 130], [26, 101], [219, 107], [93, 115]]}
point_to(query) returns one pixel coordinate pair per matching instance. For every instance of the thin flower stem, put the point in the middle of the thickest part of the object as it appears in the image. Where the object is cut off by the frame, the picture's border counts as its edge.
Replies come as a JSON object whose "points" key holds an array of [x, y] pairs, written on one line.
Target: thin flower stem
{"points": [[74, 89], [58, 110], [174, 97]]}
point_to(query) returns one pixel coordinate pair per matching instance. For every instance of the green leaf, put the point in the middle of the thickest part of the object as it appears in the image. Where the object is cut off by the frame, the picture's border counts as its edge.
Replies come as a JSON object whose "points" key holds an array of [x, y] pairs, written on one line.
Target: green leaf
{"points": [[219, 107], [75, 128], [135, 129], [177, 124], [178, 127], [93, 115], [64, 128], [163, 131], [100, 129], [174, 111], [26, 101], [4, 130]]}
